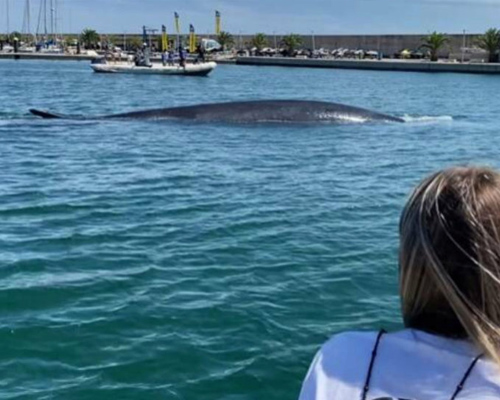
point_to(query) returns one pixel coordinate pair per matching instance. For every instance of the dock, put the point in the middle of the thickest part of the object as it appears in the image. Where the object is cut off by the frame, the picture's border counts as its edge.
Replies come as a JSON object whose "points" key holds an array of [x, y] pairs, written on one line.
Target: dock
{"points": [[375, 65], [41, 56]]}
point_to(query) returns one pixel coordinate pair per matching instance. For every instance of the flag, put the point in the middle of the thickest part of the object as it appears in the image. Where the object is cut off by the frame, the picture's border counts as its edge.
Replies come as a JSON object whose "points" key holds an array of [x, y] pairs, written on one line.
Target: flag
{"points": [[192, 39], [177, 23], [164, 38], [217, 23]]}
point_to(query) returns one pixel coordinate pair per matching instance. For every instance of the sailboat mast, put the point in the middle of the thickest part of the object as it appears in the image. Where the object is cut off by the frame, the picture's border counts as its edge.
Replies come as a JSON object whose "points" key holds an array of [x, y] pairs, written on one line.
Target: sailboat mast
{"points": [[56, 32], [45, 17], [52, 18], [27, 18], [28, 15], [8, 17]]}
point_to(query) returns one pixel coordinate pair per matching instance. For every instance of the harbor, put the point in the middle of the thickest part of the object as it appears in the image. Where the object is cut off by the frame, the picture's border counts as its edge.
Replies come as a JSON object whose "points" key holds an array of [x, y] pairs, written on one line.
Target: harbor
{"points": [[374, 65], [455, 53]]}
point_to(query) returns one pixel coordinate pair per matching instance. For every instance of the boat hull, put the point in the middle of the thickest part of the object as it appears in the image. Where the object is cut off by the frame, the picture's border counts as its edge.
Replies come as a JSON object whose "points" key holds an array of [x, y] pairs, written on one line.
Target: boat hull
{"points": [[202, 69]]}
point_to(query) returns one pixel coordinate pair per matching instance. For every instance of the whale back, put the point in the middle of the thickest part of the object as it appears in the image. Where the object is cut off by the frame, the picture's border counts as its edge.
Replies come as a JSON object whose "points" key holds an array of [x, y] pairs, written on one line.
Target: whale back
{"points": [[264, 111], [261, 111]]}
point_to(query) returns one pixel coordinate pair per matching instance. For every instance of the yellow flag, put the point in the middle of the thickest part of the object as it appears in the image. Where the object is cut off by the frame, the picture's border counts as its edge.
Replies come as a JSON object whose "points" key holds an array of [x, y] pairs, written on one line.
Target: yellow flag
{"points": [[164, 38], [192, 39]]}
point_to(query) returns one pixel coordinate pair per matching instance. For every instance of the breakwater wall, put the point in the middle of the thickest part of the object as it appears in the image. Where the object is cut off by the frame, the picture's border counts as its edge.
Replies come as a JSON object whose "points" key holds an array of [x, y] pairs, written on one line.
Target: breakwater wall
{"points": [[378, 65], [385, 44], [41, 56]]}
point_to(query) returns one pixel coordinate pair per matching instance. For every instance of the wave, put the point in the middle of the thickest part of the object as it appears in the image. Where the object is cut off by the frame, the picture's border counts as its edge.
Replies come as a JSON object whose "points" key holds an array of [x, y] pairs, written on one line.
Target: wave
{"points": [[427, 118]]}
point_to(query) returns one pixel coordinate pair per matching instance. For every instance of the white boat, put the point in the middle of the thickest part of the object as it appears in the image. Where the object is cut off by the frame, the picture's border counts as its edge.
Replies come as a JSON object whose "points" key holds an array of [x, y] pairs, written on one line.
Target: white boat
{"points": [[7, 49], [198, 69], [27, 49]]}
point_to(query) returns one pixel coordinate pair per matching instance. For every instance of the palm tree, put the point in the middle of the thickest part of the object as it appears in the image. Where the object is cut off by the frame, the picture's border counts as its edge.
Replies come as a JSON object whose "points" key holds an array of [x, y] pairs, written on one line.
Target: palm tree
{"points": [[89, 38], [490, 42], [291, 42], [225, 39], [434, 42], [134, 43], [259, 41], [11, 37], [113, 40]]}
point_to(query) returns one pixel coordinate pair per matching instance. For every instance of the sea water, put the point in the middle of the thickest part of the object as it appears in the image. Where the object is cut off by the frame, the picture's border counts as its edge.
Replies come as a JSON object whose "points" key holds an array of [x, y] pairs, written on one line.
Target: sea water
{"points": [[162, 260]]}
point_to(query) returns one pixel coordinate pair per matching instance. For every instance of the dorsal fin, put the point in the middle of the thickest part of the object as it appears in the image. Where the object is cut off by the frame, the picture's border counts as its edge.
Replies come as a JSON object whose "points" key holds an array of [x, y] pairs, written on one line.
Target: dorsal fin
{"points": [[46, 115]]}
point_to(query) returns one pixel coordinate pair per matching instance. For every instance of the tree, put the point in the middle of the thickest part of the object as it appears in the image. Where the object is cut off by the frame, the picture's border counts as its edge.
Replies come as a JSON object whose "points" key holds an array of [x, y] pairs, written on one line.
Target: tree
{"points": [[14, 35], [225, 39], [291, 43], [434, 42], [259, 41], [70, 40], [90, 38], [490, 42], [134, 43], [114, 41]]}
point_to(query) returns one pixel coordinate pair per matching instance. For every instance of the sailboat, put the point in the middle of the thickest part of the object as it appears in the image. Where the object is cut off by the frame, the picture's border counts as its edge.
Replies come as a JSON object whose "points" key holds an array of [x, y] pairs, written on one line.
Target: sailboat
{"points": [[7, 48], [26, 31], [49, 40]]}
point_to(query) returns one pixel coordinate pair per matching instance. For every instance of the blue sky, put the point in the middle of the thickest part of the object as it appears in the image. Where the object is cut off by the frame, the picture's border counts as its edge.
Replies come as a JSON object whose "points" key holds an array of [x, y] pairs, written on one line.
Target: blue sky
{"points": [[280, 16]]}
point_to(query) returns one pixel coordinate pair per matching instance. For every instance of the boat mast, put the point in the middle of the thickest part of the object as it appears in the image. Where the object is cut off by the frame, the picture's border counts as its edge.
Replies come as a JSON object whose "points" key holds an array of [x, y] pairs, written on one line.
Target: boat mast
{"points": [[27, 19], [55, 20], [45, 31], [52, 19], [8, 17]]}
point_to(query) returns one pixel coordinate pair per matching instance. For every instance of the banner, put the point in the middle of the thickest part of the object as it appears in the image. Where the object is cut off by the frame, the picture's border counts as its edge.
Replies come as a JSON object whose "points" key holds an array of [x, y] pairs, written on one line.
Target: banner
{"points": [[217, 23], [164, 38], [192, 39], [177, 23]]}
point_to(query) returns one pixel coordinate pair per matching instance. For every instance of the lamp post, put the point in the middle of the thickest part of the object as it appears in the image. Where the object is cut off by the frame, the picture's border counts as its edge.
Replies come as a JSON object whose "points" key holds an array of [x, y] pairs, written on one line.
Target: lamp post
{"points": [[275, 41], [463, 48], [313, 41]]}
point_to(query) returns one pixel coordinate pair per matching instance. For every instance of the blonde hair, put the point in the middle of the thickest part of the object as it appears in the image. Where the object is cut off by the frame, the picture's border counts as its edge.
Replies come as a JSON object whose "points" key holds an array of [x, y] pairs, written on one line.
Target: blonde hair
{"points": [[450, 257]]}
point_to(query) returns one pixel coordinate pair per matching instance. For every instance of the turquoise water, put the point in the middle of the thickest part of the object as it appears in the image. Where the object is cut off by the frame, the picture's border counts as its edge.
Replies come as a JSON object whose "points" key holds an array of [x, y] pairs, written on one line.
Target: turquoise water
{"points": [[146, 260]]}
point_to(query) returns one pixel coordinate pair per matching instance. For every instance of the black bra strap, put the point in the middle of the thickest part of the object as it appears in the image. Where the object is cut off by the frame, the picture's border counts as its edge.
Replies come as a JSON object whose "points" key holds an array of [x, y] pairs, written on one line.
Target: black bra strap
{"points": [[366, 387], [466, 376]]}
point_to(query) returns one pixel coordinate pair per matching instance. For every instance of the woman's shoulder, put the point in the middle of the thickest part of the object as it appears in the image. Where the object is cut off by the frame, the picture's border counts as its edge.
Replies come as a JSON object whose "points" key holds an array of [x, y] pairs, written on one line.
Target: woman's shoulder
{"points": [[344, 352], [343, 358], [359, 341], [349, 342]]}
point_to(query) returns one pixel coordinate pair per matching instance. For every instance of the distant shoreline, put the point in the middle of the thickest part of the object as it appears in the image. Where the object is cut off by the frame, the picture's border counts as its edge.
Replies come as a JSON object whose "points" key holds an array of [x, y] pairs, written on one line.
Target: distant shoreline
{"points": [[374, 65]]}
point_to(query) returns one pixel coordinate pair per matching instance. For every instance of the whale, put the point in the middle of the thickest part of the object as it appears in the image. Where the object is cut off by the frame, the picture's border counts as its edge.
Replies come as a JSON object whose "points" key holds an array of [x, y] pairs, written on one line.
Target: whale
{"points": [[240, 112]]}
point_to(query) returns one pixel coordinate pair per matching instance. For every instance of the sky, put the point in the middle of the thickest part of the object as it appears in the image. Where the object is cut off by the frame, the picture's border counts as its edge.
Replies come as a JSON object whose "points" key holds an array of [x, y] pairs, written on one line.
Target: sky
{"points": [[268, 16]]}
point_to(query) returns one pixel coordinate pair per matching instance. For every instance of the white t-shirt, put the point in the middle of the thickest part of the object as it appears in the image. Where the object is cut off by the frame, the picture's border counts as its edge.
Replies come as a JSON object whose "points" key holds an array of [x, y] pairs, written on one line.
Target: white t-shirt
{"points": [[410, 365]]}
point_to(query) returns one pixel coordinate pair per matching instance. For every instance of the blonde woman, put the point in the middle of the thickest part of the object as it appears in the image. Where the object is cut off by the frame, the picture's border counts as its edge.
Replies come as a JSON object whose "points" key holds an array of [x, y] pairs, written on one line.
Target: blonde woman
{"points": [[449, 277]]}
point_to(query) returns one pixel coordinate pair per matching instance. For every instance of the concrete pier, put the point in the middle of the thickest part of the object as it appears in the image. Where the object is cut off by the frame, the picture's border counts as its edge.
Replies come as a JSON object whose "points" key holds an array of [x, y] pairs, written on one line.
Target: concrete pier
{"points": [[41, 56], [377, 65]]}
